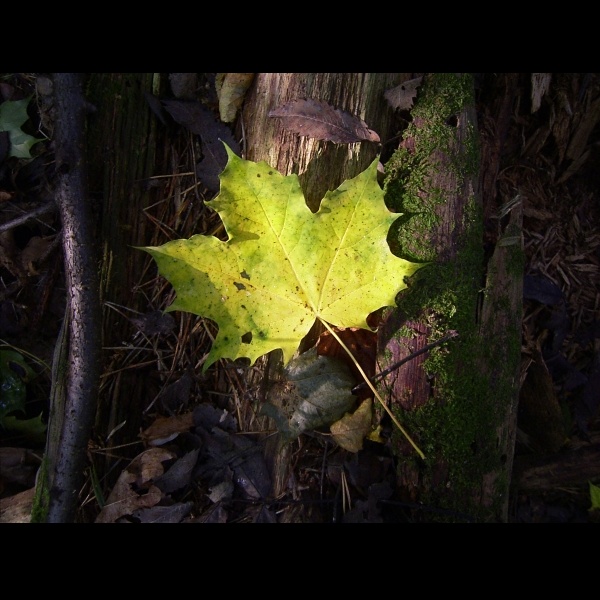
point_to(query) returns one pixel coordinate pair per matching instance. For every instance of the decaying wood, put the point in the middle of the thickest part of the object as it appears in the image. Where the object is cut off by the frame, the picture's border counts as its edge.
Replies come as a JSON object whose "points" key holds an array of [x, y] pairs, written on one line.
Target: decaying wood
{"points": [[408, 386], [474, 420], [500, 328], [125, 148]]}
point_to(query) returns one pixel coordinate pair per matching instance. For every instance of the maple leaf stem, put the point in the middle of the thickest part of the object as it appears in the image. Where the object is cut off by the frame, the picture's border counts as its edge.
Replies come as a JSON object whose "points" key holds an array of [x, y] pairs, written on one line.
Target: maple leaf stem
{"points": [[368, 381]]}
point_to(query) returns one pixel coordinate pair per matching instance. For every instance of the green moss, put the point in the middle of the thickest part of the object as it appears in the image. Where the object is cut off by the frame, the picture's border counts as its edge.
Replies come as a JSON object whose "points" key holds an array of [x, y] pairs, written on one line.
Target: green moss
{"points": [[457, 427], [41, 499], [409, 187]]}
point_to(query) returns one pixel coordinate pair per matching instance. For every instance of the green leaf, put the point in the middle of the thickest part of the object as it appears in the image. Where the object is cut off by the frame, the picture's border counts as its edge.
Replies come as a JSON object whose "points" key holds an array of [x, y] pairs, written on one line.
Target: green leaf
{"points": [[594, 496], [13, 114], [33, 429], [284, 266], [14, 374]]}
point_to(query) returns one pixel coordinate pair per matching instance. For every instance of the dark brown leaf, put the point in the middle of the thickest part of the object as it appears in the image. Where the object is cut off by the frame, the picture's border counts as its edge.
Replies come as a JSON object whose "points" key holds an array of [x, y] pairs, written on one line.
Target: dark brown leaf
{"points": [[155, 106], [165, 429], [319, 120], [134, 488], [179, 474], [362, 344], [177, 394], [163, 514], [154, 323], [212, 132]]}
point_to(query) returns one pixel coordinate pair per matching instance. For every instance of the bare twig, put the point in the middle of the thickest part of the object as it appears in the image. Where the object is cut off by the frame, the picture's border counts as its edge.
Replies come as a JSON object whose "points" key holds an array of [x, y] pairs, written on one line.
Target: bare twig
{"points": [[361, 386], [28, 216]]}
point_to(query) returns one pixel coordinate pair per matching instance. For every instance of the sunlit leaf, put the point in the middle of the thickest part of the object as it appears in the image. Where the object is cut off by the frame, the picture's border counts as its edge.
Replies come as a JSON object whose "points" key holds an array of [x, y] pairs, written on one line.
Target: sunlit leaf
{"points": [[284, 266]]}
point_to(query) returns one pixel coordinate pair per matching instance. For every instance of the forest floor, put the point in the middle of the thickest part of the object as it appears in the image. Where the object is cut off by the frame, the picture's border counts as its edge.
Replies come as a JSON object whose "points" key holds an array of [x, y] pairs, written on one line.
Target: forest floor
{"points": [[191, 463]]}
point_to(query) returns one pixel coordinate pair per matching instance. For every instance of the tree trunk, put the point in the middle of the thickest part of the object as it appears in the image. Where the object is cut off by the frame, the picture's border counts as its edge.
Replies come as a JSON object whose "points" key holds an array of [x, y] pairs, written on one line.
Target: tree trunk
{"points": [[76, 369]]}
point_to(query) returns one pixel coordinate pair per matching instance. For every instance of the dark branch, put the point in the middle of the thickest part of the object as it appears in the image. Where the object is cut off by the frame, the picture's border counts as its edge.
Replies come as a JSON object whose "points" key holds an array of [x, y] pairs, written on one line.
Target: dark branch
{"points": [[28, 216], [382, 374], [83, 304]]}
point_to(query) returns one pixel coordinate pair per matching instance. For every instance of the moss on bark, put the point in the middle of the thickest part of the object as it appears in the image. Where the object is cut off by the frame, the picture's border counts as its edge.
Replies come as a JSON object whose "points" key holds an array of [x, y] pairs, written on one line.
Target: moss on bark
{"points": [[450, 401]]}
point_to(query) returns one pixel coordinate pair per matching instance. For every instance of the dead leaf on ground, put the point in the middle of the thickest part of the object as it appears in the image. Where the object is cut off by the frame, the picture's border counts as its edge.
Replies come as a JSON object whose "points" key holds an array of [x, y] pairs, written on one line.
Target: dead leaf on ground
{"points": [[212, 132], [36, 249], [207, 416], [231, 90], [165, 429], [135, 488], [227, 457], [164, 514], [177, 394], [350, 431], [17, 508], [214, 514], [179, 474], [315, 392], [319, 120], [222, 491]]}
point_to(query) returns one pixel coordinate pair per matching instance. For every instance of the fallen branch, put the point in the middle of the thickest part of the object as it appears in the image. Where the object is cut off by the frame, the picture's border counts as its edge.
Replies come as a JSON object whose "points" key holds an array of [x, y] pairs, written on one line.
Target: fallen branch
{"points": [[76, 370], [28, 216]]}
